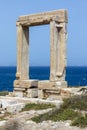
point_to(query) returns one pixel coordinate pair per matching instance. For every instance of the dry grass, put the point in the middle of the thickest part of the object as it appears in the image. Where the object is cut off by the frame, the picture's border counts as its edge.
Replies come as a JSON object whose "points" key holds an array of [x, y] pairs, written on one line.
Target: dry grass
{"points": [[4, 93], [33, 106]]}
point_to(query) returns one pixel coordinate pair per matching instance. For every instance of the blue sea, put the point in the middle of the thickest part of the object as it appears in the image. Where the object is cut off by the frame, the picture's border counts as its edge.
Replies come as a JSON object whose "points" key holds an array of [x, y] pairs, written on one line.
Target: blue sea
{"points": [[75, 76]]}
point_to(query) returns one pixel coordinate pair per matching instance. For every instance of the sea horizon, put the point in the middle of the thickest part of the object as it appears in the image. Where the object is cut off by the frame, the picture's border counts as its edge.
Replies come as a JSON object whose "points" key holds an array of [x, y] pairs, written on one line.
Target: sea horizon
{"points": [[44, 66], [75, 75]]}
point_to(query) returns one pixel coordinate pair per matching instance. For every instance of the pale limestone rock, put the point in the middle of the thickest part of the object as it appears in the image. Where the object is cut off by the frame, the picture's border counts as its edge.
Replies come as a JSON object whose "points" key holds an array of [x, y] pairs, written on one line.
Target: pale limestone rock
{"points": [[32, 92], [18, 93], [40, 93], [15, 107], [5, 103]]}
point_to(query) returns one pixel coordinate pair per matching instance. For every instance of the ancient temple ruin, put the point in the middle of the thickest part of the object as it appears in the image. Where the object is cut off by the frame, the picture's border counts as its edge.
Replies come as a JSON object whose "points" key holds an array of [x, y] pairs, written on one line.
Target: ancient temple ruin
{"points": [[23, 86]]}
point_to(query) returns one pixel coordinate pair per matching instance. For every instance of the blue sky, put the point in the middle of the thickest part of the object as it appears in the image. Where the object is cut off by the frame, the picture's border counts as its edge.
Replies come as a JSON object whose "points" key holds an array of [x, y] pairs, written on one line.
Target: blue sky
{"points": [[39, 46]]}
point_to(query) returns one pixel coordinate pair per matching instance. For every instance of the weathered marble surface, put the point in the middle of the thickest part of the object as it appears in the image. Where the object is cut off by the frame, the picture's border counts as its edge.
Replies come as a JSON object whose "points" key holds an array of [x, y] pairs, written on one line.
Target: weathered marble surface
{"points": [[58, 20]]}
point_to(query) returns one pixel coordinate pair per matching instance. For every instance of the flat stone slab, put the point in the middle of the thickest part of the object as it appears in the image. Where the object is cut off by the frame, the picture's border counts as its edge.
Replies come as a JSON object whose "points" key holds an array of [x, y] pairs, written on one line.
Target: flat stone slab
{"points": [[4, 103], [15, 100], [15, 107], [25, 84]]}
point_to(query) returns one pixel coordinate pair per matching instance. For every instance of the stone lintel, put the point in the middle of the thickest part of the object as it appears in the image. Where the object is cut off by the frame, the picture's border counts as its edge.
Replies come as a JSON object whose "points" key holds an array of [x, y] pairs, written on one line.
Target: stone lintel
{"points": [[43, 18], [25, 84]]}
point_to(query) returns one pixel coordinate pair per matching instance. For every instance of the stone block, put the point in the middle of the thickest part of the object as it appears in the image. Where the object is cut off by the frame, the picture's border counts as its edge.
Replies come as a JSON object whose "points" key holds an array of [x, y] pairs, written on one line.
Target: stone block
{"points": [[32, 92], [25, 83], [62, 84], [40, 93], [5, 103], [65, 92], [15, 107], [18, 93], [47, 84]]}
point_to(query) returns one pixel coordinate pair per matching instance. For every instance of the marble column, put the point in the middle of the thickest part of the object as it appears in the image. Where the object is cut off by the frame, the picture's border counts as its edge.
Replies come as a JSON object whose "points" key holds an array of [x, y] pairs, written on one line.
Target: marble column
{"points": [[52, 51], [22, 52], [61, 51], [58, 51]]}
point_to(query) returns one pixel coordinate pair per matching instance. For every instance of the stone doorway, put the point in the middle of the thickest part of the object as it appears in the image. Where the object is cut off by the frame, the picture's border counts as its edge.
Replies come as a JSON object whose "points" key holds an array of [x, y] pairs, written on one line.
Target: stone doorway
{"points": [[23, 86]]}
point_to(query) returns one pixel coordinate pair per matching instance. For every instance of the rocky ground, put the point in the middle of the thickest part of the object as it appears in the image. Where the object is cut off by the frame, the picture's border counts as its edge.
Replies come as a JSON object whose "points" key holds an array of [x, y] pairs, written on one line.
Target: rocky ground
{"points": [[22, 122], [49, 125]]}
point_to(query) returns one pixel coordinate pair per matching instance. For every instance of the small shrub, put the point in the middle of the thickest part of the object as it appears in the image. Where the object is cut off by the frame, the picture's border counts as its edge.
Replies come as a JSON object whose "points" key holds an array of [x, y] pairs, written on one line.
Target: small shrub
{"points": [[76, 102], [3, 93], [67, 114], [80, 121], [34, 106], [39, 118]]}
